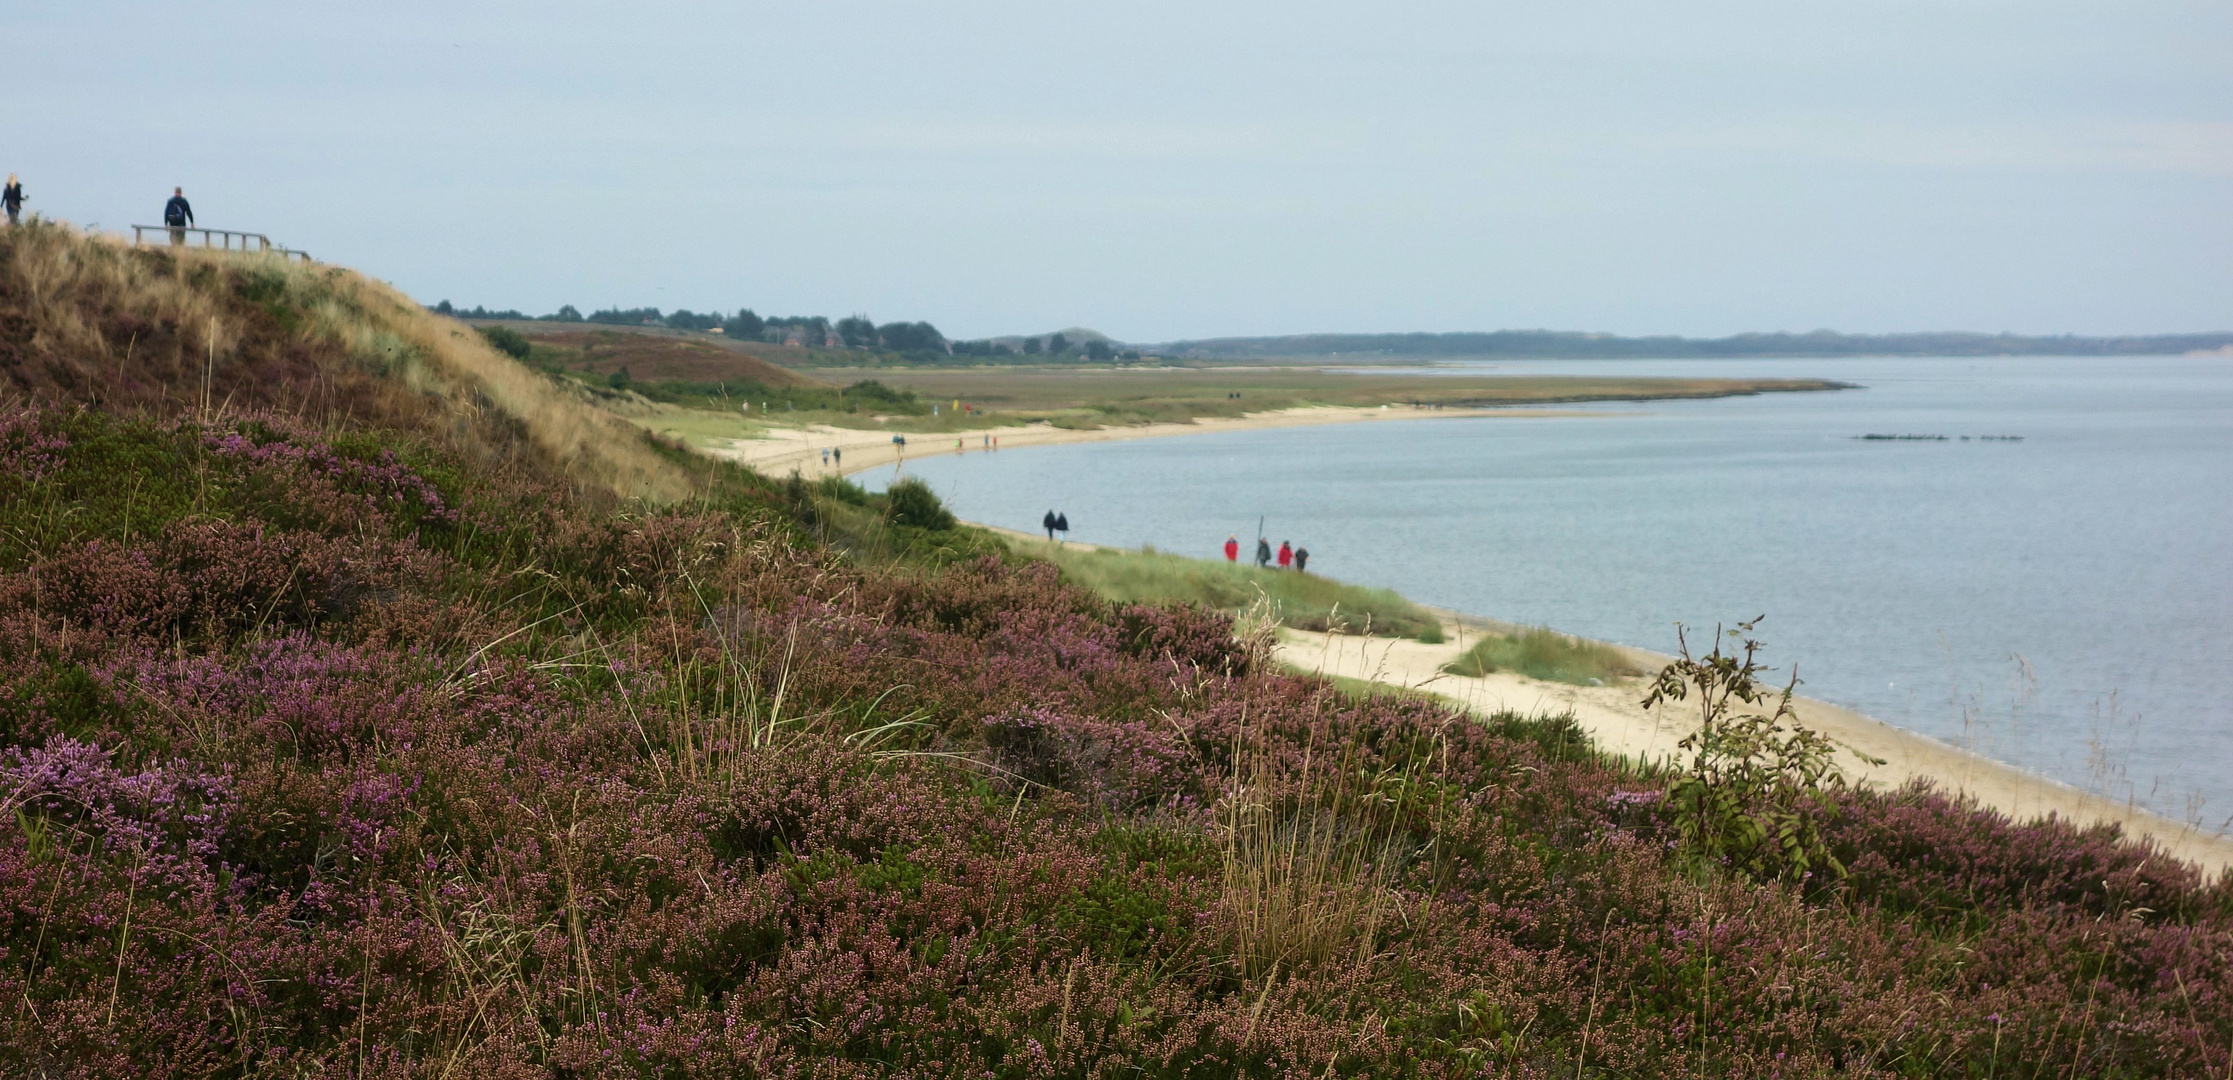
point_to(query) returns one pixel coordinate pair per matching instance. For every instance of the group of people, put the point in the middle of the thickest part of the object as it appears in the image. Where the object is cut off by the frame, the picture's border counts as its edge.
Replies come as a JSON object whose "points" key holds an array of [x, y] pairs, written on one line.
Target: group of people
{"points": [[1288, 557], [178, 214], [1056, 523], [833, 455]]}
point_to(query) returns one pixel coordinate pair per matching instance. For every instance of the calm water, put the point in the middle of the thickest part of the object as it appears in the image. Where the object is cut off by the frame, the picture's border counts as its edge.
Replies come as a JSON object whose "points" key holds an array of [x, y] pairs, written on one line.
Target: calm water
{"points": [[2064, 602]]}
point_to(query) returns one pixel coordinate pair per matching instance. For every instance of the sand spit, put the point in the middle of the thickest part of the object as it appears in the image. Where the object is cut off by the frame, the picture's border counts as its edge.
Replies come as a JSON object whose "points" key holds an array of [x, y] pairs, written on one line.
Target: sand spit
{"points": [[783, 449]]}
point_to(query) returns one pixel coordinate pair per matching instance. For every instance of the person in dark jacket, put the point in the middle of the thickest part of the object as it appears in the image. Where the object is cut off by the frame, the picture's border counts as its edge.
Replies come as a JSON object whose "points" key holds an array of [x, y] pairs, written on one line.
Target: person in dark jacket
{"points": [[1263, 552], [178, 213], [1047, 523], [1302, 558], [11, 197], [1062, 525]]}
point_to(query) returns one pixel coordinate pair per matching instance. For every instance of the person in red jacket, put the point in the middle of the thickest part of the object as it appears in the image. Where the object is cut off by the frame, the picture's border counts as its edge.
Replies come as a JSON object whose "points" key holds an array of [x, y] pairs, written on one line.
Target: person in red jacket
{"points": [[1233, 549], [1286, 555]]}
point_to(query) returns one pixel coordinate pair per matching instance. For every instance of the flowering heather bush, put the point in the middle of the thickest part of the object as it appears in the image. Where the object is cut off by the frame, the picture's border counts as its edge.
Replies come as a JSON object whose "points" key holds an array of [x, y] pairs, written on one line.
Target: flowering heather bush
{"points": [[327, 754]]}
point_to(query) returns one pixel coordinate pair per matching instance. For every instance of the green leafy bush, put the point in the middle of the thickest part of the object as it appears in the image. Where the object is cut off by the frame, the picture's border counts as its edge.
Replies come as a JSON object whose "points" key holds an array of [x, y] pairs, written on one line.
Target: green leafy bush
{"points": [[1760, 786], [911, 502], [507, 341]]}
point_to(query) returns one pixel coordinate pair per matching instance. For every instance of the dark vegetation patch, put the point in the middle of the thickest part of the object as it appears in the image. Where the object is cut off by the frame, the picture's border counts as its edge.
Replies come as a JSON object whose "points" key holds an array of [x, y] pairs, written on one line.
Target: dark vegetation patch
{"points": [[658, 358], [326, 748]]}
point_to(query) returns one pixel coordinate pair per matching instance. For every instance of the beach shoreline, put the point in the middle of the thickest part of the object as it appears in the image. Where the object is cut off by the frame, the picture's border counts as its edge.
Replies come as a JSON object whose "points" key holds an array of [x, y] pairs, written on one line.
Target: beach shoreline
{"points": [[1618, 724], [1612, 715], [785, 449]]}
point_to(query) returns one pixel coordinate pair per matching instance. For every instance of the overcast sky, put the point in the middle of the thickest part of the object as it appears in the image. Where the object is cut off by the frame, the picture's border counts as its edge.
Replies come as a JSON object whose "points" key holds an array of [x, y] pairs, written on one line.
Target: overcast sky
{"points": [[1164, 170]]}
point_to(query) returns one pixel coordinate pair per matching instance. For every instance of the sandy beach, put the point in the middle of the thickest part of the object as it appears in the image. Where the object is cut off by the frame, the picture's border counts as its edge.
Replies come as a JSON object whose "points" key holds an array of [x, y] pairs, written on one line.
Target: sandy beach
{"points": [[1611, 714], [1614, 718], [783, 449]]}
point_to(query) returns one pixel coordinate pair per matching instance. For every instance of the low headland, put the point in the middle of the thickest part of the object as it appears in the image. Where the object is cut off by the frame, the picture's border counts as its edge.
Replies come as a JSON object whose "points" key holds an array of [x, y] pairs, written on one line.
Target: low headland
{"points": [[376, 702]]}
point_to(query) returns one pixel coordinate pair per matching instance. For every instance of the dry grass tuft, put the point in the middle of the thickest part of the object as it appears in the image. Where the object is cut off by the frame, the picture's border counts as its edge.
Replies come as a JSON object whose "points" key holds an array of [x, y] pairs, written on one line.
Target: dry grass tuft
{"points": [[1309, 862]]}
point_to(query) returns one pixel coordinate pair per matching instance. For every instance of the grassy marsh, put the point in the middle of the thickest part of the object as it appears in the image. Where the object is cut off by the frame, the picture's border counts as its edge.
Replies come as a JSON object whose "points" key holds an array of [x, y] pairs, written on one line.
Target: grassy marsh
{"points": [[1300, 601]]}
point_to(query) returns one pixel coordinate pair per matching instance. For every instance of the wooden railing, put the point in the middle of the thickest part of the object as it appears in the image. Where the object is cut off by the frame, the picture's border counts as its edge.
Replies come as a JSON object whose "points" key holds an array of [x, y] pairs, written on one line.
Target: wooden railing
{"points": [[221, 239]]}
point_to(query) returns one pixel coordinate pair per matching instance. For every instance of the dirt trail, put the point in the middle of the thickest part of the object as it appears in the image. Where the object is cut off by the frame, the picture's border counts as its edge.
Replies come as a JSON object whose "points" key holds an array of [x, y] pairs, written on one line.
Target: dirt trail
{"points": [[1614, 718]]}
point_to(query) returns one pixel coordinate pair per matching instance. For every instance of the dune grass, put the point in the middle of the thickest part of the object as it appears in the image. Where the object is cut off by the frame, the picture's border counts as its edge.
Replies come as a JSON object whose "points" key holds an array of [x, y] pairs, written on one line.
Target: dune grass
{"points": [[1542, 653], [1301, 601]]}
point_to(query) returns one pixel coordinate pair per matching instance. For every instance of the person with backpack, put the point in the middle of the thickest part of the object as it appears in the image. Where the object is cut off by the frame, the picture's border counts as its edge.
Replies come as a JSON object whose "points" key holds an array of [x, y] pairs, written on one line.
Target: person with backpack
{"points": [[12, 197], [178, 214], [1263, 553]]}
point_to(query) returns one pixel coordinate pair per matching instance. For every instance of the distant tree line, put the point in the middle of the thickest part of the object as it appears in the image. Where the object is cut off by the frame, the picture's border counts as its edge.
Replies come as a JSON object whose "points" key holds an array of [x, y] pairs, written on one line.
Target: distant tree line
{"points": [[858, 331], [1554, 344]]}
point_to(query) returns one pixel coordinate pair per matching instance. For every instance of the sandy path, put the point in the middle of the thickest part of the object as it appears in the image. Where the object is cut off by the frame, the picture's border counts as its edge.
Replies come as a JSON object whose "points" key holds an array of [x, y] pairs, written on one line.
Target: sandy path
{"points": [[1613, 717], [786, 448]]}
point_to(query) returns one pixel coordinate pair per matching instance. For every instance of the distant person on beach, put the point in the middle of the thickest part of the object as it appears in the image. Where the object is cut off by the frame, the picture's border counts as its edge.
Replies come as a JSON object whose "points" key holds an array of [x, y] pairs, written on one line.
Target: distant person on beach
{"points": [[178, 214], [1062, 525], [837, 456], [1047, 523], [1302, 558], [1263, 552], [825, 457], [12, 197], [1232, 549], [1286, 555]]}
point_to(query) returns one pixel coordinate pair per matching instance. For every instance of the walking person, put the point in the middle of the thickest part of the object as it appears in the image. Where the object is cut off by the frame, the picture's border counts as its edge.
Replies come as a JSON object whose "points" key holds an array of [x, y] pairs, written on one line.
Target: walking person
{"points": [[1048, 524], [12, 197], [1263, 553], [1062, 525], [837, 456], [178, 214], [1302, 558], [1233, 548], [825, 457], [1286, 555]]}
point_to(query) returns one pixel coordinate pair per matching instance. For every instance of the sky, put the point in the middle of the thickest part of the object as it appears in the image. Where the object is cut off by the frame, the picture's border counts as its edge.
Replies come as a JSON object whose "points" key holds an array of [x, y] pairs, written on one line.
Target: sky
{"points": [[1174, 170]]}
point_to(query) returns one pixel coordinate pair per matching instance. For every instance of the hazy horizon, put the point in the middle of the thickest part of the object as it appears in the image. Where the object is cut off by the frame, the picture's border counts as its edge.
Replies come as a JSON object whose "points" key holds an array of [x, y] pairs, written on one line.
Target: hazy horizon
{"points": [[1168, 172]]}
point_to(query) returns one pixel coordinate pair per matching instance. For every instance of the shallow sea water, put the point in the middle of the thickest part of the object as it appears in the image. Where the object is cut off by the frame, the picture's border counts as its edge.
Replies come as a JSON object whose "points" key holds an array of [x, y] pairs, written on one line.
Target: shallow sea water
{"points": [[2063, 602]]}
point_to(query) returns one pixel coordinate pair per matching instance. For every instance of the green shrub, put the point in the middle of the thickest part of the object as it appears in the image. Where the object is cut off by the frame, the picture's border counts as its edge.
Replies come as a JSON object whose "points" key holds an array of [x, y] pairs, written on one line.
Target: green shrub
{"points": [[507, 341], [1542, 653], [911, 502], [1760, 787]]}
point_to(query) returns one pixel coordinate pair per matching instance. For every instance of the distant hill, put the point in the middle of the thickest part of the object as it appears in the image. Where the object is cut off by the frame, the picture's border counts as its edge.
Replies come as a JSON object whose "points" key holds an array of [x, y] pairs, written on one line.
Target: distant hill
{"points": [[1564, 344]]}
